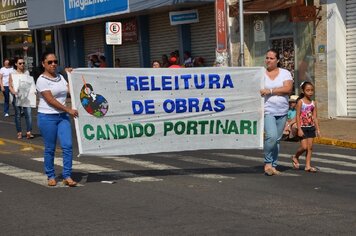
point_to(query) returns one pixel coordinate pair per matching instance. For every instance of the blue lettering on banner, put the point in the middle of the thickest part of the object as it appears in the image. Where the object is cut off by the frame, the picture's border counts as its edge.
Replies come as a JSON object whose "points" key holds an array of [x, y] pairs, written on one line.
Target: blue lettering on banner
{"points": [[76, 10], [186, 81]]}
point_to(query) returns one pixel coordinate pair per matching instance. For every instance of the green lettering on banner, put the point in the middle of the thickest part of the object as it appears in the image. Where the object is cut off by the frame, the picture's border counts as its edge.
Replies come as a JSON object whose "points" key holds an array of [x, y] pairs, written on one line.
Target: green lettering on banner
{"points": [[85, 131], [112, 132], [192, 127], [100, 133], [245, 125], [180, 130], [122, 131], [233, 128]]}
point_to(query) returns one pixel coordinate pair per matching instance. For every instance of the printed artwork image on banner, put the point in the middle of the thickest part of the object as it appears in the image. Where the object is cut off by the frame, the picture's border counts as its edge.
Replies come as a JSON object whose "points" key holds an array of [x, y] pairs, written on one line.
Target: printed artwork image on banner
{"points": [[136, 111], [25, 87]]}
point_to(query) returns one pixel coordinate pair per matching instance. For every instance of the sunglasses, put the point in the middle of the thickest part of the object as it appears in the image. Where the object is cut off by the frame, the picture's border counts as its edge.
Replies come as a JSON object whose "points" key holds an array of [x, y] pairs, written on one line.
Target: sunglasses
{"points": [[21, 63], [51, 62]]}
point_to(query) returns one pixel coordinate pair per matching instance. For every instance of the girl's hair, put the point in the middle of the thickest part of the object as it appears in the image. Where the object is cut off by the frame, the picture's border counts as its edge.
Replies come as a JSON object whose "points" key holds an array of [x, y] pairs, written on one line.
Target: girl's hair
{"points": [[302, 86], [16, 59]]}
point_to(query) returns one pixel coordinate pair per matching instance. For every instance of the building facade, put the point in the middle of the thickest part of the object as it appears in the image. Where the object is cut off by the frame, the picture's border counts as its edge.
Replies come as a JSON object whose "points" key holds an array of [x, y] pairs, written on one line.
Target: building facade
{"points": [[147, 30], [319, 49], [315, 43]]}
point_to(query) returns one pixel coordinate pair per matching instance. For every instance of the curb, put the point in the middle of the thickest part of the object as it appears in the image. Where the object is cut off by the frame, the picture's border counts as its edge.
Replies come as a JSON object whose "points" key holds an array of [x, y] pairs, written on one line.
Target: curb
{"points": [[335, 142]]}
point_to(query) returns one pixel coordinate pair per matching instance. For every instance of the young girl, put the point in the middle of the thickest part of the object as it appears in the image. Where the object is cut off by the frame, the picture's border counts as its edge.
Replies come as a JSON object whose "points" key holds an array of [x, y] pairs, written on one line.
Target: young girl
{"points": [[308, 126]]}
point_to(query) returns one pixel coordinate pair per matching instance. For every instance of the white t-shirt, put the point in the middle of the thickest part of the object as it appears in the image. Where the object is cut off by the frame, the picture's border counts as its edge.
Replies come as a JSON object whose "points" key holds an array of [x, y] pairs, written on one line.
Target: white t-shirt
{"points": [[58, 88], [5, 75], [277, 105]]}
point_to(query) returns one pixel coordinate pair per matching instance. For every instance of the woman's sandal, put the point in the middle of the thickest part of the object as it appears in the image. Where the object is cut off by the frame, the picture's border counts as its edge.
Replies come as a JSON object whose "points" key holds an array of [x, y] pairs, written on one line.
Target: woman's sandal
{"points": [[69, 182], [311, 170], [295, 163], [52, 182], [29, 135], [19, 135]]}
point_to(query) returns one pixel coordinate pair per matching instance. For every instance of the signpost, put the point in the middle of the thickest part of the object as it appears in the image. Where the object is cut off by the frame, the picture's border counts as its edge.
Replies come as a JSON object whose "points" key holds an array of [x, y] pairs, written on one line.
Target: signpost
{"points": [[113, 35]]}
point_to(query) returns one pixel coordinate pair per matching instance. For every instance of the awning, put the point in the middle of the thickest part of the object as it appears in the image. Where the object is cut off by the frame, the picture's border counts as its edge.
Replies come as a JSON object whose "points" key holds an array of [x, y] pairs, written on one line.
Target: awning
{"points": [[251, 6], [55, 15]]}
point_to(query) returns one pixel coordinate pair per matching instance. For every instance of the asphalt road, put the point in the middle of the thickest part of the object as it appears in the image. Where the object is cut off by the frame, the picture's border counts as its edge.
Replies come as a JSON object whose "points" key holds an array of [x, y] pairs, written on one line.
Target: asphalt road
{"points": [[215, 192]]}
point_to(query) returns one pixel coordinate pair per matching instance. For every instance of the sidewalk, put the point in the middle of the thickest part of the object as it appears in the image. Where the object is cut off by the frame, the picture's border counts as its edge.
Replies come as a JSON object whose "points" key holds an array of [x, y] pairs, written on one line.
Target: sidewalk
{"points": [[338, 132]]}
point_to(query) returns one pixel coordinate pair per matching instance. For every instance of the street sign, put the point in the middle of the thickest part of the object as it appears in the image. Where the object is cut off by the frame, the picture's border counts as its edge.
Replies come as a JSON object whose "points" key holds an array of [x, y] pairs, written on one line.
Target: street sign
{"points": [[113, 33]]}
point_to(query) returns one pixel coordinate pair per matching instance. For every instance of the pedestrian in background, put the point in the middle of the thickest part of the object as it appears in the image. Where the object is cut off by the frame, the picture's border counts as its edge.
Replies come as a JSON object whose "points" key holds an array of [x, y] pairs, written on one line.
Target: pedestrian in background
{"points": [[165, 61], [174, 62], [102, 61], [117, 62], [5, 72], [278, 85], [19, 66], [156, 64], [53, 119], [308, 126]]}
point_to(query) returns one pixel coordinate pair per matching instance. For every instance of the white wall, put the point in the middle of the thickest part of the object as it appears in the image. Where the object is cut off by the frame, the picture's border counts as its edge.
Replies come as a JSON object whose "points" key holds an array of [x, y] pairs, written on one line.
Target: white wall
{"points": [[336, 57]]}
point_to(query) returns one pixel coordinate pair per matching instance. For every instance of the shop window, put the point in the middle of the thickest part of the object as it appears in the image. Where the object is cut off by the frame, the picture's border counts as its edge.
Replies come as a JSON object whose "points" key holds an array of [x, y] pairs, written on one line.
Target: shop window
{"points": [[20, 46]]}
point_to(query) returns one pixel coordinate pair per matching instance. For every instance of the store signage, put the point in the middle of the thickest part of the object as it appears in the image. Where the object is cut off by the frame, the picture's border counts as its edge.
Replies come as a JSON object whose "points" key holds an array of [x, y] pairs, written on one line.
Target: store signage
{"points": [[79, 10], [220, 16], [113, 33], [184, 17], [302, 13], [12, 10], [129, 30]]}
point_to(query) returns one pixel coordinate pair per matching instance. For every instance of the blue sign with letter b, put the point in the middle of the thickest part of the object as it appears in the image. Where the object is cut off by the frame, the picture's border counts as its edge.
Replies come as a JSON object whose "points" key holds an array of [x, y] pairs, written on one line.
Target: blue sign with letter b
{"points": [[78, 10]]}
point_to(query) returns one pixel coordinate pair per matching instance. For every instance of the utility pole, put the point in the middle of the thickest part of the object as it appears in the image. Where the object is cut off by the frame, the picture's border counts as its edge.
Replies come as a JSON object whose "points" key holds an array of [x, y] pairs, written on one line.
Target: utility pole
{"points": [[242, 41]]}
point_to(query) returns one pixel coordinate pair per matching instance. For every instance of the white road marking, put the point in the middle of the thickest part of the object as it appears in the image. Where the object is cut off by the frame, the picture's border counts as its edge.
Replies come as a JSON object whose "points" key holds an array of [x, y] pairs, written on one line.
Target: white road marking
{"points": [[152, 165], [95, 169], [327, 161], [352, 158], [260, 159], [27, 175]]}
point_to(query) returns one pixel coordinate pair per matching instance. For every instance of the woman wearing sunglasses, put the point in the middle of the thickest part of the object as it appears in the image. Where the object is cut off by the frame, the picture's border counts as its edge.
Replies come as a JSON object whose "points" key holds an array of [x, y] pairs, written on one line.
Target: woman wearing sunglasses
{"points": [[53, 119], [21, 93]]}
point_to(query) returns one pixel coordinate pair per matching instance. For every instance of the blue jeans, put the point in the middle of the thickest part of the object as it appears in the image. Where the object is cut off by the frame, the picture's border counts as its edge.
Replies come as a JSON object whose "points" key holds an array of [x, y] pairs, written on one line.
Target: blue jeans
{"points": [[52, 126], [7, 94], [273, 127], [28, 118]]}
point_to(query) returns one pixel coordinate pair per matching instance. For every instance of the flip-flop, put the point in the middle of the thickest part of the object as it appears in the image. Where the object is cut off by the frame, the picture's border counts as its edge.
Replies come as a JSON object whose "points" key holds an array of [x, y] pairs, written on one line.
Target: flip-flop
{"points": [[294, 163], [311, 169]]}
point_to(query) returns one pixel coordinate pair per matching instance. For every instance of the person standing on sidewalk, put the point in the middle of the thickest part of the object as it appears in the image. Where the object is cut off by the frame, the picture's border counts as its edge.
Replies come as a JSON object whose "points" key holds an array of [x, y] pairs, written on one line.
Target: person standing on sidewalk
{"points": [[53, 119], [19, 66], [308, 126], [5, 72], [278, 84]]}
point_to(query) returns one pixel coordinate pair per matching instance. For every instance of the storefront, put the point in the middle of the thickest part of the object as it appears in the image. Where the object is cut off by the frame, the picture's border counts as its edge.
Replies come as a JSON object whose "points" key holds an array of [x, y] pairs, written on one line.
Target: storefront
{"points": [[17, 40], [146, 27], [272, 26]]}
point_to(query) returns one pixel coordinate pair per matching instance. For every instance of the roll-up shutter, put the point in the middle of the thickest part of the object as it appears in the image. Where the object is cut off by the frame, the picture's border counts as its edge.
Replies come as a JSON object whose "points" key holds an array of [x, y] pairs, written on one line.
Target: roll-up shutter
{"points": [[163, 36], [93, 39], [129, 54], [351, 56], [203, 35]]}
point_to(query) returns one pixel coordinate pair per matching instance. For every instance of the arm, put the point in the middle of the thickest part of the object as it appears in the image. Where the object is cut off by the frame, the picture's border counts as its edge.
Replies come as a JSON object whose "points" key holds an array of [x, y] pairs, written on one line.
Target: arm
{"points": [[1, 84], [286, 89], [298, 108], [316, 121], [11, 85], [47, 95]]}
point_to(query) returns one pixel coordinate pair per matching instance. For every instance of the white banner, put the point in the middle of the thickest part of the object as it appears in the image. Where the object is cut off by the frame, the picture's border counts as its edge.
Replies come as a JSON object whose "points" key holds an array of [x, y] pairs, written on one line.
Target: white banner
{"points": [[126, 111]]}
